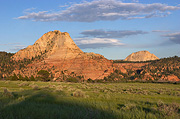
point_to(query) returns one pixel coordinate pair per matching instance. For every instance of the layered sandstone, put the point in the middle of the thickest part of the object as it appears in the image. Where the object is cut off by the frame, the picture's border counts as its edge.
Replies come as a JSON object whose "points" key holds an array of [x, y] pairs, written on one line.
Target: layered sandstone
{"points": [[60, 55], [141, 56], [52, 44]]}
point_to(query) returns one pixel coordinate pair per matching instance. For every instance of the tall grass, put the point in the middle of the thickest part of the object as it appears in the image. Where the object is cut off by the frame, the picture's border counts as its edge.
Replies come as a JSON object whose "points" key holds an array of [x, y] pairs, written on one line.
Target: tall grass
{"points": [[52, 100]]}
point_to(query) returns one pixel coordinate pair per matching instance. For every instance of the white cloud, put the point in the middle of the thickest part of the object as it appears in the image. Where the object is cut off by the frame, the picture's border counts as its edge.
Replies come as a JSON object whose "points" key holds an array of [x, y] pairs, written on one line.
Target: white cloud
{"points": [[11, 44], [61, 6], [174, 37], [161, 31], [135, 0], [97, 42], [103, 10], [111, 34], [29, 9], [16, 48]]}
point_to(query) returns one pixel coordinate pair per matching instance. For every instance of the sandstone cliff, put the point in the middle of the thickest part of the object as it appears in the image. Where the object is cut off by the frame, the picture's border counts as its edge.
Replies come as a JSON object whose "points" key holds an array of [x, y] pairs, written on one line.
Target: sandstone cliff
{"points": [[59, 54], [141, 56], [53, 42]]}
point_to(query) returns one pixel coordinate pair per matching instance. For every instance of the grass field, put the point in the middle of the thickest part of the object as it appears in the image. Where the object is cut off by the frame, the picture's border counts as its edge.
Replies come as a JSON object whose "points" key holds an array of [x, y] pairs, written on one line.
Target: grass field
{"points": [[54, 100]]}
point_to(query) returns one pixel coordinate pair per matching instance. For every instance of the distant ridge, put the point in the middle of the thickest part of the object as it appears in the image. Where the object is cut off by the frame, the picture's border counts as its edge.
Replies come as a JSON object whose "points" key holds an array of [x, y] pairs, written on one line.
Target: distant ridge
{"points": [[141, 56]]}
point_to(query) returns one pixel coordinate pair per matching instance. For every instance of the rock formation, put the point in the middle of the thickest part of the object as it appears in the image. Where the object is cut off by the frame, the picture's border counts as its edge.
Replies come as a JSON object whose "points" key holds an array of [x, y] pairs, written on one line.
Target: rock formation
{"points": [[59, 54], [141, 56], [54, 44]]}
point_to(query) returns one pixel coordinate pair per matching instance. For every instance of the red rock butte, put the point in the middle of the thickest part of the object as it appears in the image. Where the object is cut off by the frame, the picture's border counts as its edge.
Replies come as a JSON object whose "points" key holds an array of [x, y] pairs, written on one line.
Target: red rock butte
{"points": [[60, 53]]}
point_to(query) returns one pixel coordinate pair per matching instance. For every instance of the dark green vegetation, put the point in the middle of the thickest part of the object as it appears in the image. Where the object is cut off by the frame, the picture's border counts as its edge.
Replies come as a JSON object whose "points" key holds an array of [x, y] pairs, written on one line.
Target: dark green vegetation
{"points": [[155, 71], [122, 61], [44, 75], [7, 65], [165, 66], [52, 100]]}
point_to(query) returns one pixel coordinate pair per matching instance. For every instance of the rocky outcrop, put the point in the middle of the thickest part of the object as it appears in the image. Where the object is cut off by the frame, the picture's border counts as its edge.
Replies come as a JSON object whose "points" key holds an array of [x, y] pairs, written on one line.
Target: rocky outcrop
{"points": [[141, 56], [171, 77], [60, 55], [52, 44]]}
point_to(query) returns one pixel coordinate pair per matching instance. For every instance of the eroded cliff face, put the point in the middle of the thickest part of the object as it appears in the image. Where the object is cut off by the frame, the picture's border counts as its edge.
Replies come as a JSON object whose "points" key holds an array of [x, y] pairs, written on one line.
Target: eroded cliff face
{"points": [[59, 54], [141, 56], [51, 44]]}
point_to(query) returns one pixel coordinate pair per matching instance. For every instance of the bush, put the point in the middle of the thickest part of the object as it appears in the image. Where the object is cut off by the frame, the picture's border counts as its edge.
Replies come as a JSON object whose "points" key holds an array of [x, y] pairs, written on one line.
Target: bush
{"points": [[129, 106], [14, 77], [167, 109], [35, 87], [59, 88], [32, 78], [78, 93], [7, 93], [72, 79], [23, 84], [44, 75], [90, 80]]}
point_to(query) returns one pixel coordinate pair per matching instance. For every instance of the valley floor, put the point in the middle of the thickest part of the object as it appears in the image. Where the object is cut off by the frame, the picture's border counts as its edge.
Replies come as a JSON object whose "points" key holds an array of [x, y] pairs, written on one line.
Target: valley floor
{"points": [[54, 100]]}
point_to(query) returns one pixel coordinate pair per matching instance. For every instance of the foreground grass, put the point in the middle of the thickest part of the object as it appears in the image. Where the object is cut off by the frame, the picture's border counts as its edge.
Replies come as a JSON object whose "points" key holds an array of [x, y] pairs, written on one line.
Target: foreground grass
{"points": [[52, 100]]}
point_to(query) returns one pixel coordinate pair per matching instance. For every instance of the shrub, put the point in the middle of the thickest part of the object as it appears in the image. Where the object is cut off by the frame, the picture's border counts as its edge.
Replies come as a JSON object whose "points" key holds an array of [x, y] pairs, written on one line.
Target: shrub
{"points": [[44, 75], [167, 109], [72, 79], [59, 88], [35, 87], [14, 77], [23, 84], [90, 80], [26, 78], [129, 106], [78, 93], [7, 93], [32, 78]]}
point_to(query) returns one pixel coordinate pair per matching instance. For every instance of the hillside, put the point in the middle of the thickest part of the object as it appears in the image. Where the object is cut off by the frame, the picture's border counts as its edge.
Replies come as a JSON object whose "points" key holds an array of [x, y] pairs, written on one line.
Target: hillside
{"points": [[59, 55], [166, 69], [56, 54]]}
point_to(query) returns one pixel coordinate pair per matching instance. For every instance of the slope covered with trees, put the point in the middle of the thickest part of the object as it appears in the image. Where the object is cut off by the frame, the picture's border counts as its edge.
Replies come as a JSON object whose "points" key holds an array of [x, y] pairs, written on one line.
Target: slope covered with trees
{"points": [[165, 69]]}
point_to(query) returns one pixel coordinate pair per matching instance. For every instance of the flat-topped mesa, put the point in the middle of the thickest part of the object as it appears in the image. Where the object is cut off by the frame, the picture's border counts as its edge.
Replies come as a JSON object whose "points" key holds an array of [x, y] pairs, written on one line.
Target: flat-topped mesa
{"points": [[141, 56], [49, 44]]}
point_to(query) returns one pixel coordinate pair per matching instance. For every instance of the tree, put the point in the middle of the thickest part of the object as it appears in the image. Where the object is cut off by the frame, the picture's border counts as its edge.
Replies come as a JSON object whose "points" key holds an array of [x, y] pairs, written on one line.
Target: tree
{"points": [[44, 75], [14, 77], [1, 76], [90, 80], [26, 78], [32, 78], [21, 77], [72, 79]]}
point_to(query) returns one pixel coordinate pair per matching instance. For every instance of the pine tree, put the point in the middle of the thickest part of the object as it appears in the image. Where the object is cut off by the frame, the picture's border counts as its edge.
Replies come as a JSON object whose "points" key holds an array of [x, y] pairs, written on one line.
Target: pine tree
{"points": [[32, 78]]}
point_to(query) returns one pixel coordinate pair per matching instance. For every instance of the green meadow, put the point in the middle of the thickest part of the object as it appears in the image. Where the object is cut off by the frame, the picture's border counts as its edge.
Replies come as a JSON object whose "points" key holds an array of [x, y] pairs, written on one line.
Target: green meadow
{"points": [[65, 100]]}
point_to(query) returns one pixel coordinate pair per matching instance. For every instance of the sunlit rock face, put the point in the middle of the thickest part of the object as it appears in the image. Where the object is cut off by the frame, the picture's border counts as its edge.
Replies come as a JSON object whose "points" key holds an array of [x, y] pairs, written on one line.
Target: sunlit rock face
{"points": [[141, 56], [59, 51]]}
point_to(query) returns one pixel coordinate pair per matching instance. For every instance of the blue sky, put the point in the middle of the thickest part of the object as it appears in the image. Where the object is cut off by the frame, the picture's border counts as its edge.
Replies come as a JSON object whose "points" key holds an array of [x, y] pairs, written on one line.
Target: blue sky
{"points": [[113, 28]]}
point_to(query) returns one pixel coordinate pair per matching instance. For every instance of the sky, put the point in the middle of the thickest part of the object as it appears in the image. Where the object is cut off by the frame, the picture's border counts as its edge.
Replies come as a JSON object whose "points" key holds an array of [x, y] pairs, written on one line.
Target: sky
{"points": [[112, 28]]}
